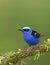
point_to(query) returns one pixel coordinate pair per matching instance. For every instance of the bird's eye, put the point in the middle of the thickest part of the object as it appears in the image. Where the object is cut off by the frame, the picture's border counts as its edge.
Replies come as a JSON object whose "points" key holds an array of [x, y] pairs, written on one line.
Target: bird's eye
{"points": [[25, 29]]}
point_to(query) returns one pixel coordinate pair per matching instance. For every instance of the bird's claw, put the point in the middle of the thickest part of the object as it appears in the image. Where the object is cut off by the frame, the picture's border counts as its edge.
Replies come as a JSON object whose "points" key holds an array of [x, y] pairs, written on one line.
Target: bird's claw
{"points": [[40, 48], [28, 50]]}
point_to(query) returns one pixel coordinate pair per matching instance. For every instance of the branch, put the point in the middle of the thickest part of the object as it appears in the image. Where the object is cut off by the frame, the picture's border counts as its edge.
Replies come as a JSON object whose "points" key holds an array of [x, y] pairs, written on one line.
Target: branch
{"points": [[15, 58]]}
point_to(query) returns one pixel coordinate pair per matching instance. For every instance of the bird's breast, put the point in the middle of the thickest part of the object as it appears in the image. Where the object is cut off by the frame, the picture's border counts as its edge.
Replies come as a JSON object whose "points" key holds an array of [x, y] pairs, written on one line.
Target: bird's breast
{"points": [[31, 40]]}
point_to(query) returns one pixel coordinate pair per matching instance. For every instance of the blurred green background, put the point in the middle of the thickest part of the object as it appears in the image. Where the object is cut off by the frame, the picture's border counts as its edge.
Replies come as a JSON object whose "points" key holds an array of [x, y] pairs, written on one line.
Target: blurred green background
{"points": [[16, 14]]}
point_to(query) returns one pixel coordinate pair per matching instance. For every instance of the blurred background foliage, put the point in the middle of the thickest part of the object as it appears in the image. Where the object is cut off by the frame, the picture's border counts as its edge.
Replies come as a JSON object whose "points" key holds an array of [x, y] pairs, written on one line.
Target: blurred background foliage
{"points": [[16, 14]]}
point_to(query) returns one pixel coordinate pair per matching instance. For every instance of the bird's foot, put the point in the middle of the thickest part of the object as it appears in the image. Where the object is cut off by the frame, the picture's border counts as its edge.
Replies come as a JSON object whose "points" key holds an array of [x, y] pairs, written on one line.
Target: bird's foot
{"points": [[40, 48], [28, 50]]}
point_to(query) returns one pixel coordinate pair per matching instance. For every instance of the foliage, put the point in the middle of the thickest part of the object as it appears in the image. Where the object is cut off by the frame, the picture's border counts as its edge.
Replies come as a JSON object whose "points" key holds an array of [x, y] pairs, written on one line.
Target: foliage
{"points": [[15, 58]]}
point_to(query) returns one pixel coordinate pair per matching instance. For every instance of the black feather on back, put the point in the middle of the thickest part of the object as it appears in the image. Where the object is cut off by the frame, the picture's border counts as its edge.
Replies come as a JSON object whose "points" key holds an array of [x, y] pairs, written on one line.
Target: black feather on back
{"points": [[37, 34]]}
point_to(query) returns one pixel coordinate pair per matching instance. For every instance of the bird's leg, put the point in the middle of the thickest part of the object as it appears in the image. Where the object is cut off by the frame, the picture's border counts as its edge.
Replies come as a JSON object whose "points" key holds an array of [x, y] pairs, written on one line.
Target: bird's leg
{"points": [[28, 49], [40, 47]]}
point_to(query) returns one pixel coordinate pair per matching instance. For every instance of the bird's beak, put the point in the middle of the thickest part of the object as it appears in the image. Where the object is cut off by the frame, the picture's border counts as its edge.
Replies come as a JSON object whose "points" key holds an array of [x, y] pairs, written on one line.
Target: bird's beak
{"points": [[20, 29]]}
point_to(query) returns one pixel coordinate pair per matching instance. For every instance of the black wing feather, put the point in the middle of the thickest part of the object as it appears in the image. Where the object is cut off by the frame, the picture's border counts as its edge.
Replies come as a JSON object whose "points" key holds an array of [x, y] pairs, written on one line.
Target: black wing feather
{"points": [[37, 34]]}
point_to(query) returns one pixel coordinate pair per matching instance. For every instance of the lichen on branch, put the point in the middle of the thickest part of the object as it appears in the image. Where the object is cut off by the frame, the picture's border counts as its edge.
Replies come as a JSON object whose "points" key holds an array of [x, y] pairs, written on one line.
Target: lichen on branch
{"points": [[16, 58]]}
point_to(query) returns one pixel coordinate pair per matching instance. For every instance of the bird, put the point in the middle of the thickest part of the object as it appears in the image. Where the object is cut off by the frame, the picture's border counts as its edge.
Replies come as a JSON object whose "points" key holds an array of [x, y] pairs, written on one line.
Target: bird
{"points": [[30, 36]]}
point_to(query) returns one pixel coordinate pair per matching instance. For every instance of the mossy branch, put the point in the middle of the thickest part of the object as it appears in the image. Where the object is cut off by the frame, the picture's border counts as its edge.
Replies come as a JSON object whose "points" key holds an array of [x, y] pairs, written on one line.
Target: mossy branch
{"points": [[15, 58]]}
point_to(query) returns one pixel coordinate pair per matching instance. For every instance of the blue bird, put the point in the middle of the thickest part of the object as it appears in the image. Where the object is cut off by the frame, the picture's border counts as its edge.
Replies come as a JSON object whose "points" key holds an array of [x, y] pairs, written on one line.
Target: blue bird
{"points": [[30, 36]]}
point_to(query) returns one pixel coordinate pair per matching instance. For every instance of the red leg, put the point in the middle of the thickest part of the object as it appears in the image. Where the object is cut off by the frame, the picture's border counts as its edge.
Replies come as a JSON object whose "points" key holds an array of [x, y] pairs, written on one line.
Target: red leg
{"points": [[40, 48], [28, 50]]}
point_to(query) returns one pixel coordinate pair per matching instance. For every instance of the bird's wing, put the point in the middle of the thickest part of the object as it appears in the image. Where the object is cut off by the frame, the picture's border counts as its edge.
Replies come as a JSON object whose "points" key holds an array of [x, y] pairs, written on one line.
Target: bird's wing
{"points": [[35, 33]]}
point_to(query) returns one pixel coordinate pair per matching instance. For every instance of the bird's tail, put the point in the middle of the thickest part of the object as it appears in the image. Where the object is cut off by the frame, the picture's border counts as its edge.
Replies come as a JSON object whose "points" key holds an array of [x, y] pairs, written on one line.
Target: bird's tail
{"points": [[41, 35]]}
